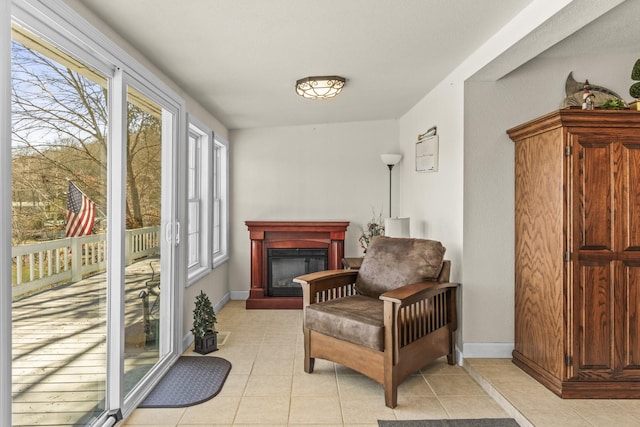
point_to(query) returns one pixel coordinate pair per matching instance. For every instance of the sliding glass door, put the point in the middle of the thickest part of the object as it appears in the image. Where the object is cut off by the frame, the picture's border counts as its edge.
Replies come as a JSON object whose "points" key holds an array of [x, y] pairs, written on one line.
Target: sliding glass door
{"points": [[94, 234], [144, 280], [59, 226]]}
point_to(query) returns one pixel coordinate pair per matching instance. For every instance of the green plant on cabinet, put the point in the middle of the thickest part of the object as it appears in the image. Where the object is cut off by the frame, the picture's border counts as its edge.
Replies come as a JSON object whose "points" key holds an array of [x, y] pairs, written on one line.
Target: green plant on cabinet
{"points": [[634, 90]]}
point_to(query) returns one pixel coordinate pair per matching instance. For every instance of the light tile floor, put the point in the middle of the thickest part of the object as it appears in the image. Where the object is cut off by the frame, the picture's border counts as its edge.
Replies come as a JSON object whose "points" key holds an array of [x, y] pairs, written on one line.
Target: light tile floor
{"points": [[531, 404], [267, 386]]}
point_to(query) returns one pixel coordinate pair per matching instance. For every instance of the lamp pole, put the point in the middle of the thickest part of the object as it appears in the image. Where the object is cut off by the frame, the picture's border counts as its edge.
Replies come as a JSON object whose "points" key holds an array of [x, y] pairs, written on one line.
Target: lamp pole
{"points": [[390, 167], [390, 160]]}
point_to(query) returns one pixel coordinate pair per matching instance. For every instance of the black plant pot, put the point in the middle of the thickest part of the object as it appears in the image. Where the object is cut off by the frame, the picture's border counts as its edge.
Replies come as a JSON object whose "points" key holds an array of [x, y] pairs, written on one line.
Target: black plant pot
{"points": [[207, 343]]}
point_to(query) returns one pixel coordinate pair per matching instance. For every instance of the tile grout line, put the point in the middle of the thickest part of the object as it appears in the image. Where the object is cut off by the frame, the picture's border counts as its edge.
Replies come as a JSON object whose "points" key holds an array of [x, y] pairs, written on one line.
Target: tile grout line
{"points": [[444, 408], [335, 377]]}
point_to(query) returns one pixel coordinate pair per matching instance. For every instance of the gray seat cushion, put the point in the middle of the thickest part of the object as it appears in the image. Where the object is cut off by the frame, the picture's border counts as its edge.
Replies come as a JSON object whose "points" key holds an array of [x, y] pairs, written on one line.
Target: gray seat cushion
{"points": [[391, 262], [357, 319]]}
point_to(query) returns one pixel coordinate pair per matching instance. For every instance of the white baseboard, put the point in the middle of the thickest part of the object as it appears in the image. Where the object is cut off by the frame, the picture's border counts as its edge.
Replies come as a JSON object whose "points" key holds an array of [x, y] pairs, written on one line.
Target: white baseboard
{"points": [[187, 340], [487, 350], [225, 299], [240, 295]]}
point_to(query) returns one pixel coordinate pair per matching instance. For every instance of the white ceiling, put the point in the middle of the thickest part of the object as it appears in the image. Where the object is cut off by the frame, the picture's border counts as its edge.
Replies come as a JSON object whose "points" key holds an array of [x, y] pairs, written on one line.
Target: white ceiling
{"points": [[240, 58]]}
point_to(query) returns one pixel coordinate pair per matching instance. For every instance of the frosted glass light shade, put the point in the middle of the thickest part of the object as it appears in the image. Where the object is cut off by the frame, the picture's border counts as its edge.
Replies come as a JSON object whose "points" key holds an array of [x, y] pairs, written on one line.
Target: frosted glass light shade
{"points": [[323, 87], [397, 227], [390, 159]]}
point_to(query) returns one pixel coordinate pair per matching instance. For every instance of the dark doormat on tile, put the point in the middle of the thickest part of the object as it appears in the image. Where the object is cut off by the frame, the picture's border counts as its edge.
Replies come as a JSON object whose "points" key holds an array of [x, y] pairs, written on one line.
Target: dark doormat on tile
{"points": [[481, 422], [191, 380]]}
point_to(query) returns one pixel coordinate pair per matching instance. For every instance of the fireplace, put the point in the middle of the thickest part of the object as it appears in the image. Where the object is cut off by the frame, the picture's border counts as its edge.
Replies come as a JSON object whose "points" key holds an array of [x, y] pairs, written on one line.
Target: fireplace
{"points": [[283, 265], [301, 244]]}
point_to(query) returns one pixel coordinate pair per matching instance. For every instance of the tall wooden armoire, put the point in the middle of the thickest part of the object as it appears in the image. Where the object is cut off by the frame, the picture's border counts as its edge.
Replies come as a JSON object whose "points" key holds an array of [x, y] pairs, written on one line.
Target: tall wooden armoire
{"points": [[577, 252]]}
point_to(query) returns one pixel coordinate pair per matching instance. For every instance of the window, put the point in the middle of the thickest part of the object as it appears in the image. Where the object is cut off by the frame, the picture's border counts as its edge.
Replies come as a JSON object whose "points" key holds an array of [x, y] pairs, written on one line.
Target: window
{"points": [[199, 199], [221, 202], [207, 200]]}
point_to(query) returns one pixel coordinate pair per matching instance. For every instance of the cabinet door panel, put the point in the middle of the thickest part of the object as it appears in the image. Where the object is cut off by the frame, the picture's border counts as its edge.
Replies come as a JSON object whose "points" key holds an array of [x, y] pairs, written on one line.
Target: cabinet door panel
{"points": [[630, 172], [629, 318], [628, 291], [594, 243], [593, 191], [606, 220], [594, 306]]}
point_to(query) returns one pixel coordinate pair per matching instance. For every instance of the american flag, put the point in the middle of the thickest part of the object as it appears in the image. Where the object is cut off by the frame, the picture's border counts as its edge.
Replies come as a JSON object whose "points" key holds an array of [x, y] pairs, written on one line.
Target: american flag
{"points": [[81, 212]]}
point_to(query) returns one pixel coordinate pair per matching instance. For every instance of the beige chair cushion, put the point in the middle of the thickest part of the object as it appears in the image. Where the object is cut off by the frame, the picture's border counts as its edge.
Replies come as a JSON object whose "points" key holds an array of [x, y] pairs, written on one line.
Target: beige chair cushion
{"points": [[357, 319], [391, 262]]}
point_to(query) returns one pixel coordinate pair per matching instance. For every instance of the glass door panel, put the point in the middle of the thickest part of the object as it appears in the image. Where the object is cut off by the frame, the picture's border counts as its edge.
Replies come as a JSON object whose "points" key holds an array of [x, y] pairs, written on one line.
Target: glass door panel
{"points": [[59, 224], [143, 220]]}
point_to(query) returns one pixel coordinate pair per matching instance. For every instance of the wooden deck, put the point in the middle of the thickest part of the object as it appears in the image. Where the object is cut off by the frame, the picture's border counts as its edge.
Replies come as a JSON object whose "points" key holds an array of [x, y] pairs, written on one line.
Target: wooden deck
{"points": [[59, 350]]}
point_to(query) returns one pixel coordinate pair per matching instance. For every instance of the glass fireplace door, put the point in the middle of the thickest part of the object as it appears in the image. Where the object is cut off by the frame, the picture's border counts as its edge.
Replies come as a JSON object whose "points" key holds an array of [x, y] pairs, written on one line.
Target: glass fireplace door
{"points": [[284, 264]]}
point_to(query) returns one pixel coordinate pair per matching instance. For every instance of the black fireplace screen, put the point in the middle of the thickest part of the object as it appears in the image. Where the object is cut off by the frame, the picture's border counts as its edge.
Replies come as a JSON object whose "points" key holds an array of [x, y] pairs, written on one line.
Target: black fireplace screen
{"points": [[283, 265]]}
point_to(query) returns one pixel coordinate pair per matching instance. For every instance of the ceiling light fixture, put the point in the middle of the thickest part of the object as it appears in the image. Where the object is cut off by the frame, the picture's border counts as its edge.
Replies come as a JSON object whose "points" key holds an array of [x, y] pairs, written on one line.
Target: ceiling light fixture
{"points": [[321, 87]]}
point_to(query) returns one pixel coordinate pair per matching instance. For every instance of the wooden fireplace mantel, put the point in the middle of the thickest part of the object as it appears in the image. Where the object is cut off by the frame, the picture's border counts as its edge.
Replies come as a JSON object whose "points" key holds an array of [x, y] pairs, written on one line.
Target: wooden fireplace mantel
{"points": [[265, 235]]}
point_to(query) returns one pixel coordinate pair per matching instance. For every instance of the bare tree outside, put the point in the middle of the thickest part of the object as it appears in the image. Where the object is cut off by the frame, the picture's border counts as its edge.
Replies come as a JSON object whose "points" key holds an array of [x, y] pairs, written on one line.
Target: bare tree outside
{"points": [[60, 123], [143, 166]]}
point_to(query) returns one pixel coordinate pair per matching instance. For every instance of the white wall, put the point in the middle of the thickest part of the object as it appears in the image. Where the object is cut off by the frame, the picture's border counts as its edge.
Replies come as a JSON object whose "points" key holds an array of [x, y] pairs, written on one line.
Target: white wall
{"points": [[319, 172], [433, 200]]}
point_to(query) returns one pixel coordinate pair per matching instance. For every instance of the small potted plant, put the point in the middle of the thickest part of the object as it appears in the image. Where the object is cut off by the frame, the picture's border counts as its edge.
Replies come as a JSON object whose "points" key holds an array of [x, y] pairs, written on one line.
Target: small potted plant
{"points": [[375, 227], [204, 330]]}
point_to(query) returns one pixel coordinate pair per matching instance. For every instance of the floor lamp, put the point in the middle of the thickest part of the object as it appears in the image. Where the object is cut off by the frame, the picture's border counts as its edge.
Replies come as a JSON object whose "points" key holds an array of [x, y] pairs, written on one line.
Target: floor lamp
{"points": [[390, 160]]}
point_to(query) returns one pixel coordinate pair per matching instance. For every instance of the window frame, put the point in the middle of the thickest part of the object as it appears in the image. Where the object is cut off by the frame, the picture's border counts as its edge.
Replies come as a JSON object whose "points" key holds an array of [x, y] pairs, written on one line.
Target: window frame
{"points": [[204, 165], [221, 181], [6, 395]]}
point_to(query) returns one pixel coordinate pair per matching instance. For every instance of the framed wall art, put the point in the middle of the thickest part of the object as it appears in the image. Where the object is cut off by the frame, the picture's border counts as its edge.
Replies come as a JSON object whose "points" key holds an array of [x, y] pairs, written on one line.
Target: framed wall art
{"points": [[427, 151]]}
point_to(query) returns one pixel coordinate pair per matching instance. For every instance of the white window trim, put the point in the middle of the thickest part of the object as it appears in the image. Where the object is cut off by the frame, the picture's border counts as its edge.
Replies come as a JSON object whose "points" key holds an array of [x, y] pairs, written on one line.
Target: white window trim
{"points": [[205, 247], [222, 255]]}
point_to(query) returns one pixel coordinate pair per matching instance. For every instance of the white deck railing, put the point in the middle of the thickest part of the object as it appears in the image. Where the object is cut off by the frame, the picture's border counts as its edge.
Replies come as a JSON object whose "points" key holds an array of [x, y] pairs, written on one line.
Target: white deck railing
{"points": [[42, 264]]}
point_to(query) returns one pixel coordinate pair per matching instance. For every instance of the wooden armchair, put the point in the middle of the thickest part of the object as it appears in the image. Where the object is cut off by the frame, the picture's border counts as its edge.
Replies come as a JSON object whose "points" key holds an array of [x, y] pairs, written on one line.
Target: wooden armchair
{"points": [[387, 320]]}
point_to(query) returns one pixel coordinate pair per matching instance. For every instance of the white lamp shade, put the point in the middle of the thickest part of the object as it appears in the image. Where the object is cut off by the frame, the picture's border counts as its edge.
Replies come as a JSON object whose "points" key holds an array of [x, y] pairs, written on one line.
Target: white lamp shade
{"points": [[396, 227], [390, 159]]}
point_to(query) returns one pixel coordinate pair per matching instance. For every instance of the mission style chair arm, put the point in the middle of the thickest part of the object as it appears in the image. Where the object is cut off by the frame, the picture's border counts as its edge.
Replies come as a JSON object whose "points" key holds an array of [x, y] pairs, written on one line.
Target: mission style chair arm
{"points": [[424, 291], [408, 295], [326, 285], [413, 311]]}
